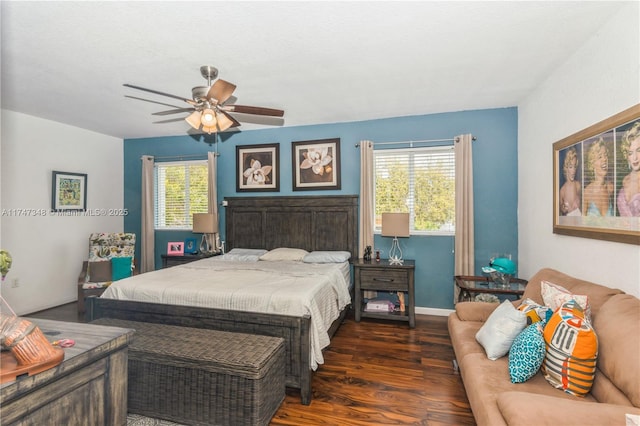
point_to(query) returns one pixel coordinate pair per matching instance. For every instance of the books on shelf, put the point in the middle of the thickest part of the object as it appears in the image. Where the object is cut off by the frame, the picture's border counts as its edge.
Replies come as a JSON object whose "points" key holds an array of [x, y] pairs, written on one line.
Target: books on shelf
{"points": [[374, 305]]}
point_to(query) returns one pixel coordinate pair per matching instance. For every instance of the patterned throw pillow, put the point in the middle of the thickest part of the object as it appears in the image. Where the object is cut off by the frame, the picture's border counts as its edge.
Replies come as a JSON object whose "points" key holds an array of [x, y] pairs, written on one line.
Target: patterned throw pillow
{"points": [[572, 350], [534, 312], [555, 296], [527, 353]]}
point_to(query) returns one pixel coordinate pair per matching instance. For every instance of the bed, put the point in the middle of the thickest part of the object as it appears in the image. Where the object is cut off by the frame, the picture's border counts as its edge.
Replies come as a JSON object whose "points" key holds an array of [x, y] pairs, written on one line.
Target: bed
{"points": [[312, 223]]}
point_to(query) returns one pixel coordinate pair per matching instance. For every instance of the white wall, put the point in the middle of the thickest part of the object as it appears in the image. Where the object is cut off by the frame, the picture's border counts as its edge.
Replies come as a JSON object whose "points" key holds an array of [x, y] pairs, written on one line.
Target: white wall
{"points": [[598, 81], [48, 250]]}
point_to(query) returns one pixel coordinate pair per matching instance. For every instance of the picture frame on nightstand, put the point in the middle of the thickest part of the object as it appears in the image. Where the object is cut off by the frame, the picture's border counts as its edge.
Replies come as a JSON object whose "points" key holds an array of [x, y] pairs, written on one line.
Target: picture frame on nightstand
{"points": [[175, 248], [191, 246]]}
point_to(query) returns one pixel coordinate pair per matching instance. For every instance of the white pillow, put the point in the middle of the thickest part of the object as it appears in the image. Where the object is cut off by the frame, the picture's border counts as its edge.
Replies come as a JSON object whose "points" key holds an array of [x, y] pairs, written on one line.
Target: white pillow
{"points": [[284, 253], [244, 255], [501, 328], [327, 257]]}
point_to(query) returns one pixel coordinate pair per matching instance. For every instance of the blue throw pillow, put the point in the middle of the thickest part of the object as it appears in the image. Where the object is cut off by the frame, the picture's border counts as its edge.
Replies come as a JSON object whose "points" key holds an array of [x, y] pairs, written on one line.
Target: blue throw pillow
{"points": [[120, 268], [527, 353]]}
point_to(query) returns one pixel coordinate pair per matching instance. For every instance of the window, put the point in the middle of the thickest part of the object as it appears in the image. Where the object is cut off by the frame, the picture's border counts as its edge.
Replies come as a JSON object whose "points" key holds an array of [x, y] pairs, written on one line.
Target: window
{"points": [[418, 181], [180, 190]]}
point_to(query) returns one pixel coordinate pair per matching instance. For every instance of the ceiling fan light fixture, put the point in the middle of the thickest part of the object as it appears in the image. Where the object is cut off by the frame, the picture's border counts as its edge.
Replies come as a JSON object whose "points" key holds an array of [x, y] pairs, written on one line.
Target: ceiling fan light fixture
{"points": [[209, 130], [194, 119], [224, 123], [208, 118]]}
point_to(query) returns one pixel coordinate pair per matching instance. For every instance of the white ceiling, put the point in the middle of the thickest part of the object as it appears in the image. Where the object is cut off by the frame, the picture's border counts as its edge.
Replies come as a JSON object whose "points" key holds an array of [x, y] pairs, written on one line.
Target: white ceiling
{"points": [[322, 62]]}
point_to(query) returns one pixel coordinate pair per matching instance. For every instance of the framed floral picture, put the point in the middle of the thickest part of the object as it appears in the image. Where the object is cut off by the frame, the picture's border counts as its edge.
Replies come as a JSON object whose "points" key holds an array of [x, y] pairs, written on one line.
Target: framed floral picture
{"points": [[258, 167], [68, 192], [596, 180], [316, 164]]}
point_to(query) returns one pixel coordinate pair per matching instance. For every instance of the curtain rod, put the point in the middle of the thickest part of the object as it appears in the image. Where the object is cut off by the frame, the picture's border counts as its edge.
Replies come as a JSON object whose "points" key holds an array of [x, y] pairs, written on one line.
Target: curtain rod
{"points": [[420, 141], [185, 157]]}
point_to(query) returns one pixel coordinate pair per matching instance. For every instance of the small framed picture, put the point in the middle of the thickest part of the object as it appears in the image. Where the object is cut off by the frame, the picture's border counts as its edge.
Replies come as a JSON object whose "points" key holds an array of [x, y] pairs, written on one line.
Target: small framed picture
{"points": [[191, 246], [175, 248], [69, 191]]}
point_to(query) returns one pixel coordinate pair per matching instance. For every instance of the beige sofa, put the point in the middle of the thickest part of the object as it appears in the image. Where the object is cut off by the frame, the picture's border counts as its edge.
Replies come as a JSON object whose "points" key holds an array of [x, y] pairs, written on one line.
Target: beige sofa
{"points": [[616, 390]]}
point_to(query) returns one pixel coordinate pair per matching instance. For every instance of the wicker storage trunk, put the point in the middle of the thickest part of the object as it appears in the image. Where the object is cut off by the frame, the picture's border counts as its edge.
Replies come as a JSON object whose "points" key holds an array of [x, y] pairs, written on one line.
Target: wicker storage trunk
{"points": [[203, 377]]}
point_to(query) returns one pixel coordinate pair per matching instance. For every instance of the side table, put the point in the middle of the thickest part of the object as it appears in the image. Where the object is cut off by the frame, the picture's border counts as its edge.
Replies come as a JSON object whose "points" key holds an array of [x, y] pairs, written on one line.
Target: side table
{"points": [[173, 260], [469, 285], [383, 276]]}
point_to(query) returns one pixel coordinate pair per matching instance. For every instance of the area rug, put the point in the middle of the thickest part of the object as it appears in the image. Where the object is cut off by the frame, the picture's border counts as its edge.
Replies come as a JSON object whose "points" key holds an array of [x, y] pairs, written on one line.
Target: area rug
{"points": [[138, 420]]}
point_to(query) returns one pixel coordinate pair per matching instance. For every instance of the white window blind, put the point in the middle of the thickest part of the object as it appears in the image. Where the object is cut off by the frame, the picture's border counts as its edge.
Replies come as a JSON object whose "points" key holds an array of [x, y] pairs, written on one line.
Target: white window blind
{"points": [[418, 181], [180, 190]]}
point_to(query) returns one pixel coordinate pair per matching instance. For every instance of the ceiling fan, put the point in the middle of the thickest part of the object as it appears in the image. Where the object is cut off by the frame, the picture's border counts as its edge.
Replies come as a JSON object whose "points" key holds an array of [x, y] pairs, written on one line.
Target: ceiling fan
{"points": [[208, 109]]}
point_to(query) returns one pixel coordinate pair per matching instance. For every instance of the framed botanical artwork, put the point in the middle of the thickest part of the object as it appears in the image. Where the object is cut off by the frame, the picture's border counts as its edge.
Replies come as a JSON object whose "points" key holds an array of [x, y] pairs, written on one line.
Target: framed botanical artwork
{"points": [[68, 191], [191, 246], [175, 248], [316, 164], [596, 180], [258, 167]]}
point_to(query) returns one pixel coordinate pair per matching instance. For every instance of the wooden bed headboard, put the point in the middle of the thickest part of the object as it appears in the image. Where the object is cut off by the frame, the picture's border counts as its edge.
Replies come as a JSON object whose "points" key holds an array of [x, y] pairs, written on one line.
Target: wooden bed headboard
{"points": [[306, 222]]}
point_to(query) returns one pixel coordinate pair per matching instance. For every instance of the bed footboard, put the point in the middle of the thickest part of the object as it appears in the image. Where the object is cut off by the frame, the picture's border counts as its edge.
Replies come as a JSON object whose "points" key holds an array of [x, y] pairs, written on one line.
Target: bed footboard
{"points": [[294, 330]]}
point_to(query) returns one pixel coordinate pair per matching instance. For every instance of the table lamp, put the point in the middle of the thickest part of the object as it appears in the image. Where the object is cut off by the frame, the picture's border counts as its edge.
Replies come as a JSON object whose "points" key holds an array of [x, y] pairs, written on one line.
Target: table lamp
{"points": [[395, 225], [206, 224]]}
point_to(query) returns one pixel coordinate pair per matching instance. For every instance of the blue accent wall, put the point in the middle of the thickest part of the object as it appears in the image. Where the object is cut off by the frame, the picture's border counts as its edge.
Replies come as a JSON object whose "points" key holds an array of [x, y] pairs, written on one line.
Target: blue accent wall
{"points": [[495, 182]]}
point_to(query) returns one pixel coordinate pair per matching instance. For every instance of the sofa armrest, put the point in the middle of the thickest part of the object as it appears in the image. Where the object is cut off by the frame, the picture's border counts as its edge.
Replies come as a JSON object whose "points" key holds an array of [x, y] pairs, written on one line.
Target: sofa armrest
{"points": [[524, 408], [475, 311]]}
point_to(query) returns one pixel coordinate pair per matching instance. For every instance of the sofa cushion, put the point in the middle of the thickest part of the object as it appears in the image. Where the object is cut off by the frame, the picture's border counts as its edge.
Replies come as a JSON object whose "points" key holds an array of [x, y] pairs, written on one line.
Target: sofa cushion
{"points": [[527, 353], [486, 380], [618, 328], [598, 294], [497, 334], [524, 408], [463, 336], [572, 350], [475, 311]]}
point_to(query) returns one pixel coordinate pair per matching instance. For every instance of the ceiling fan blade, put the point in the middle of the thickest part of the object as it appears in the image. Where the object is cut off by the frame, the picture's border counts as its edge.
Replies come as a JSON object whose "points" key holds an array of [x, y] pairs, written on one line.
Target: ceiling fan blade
{"points": [[173, 111], [221, 91], [189, 101], [245, 109], [153, 102]]}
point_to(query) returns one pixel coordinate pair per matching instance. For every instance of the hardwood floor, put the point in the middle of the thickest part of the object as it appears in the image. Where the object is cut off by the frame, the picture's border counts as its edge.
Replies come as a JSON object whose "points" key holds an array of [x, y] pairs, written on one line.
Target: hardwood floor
{"points": [[375, 373]]}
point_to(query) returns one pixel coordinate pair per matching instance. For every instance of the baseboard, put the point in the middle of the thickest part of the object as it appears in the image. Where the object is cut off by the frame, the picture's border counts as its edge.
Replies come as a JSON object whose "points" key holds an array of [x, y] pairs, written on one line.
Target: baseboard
{"points": [[47, 306], [434, 311]]}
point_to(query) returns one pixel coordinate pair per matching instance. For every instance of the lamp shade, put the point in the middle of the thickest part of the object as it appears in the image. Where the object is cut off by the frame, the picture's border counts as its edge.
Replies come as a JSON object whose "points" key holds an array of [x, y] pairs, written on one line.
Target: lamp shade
{"points": [[204, 223], [395, 224], [194, 119], [224, 122]]}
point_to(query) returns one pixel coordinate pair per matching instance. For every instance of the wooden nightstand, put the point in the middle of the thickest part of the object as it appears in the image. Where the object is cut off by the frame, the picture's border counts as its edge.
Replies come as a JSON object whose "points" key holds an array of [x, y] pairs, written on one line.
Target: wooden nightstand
{"points": [[173, 260], [382, 276]]}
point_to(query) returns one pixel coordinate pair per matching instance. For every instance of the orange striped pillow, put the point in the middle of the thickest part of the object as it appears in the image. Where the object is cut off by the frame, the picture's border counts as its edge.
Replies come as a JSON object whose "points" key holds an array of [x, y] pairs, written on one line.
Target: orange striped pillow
{"points": [[572, 350]]}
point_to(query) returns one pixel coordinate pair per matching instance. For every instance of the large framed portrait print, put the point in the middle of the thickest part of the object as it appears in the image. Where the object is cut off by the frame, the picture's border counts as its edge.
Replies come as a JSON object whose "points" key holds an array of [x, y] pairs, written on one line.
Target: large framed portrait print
{"points": [[596, 180]]}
